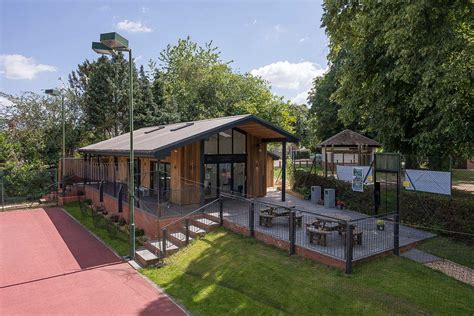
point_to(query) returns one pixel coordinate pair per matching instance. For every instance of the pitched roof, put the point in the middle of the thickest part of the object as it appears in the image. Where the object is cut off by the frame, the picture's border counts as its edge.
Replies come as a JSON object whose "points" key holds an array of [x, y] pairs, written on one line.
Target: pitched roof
{"points": [[273, 155], [160, 140], [349, 138]]}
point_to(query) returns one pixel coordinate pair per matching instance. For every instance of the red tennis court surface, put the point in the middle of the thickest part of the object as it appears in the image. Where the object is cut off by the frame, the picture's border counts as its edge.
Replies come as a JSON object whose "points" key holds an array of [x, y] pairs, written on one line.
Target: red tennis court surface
{"points": [[49, 264]]}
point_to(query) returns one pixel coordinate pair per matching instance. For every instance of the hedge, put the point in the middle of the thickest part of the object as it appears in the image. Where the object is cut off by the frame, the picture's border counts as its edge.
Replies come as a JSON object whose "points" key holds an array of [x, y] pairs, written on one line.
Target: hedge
{"points": [[430, 211]]}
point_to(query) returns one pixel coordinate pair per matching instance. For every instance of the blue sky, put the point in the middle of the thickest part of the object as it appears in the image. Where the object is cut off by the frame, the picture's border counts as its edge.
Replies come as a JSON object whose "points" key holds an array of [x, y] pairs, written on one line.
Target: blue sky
{"points": [[282, 41]]}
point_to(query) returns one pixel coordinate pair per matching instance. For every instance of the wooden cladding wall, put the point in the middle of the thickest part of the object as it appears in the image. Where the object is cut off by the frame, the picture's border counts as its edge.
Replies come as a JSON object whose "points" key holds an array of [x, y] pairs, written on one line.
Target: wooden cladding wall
{"points": [[185, 174], [270, 167], [256, 166]]}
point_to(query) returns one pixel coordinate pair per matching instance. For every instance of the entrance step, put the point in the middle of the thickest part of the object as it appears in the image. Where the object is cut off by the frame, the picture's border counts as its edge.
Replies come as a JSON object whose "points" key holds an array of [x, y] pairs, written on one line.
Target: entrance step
{"points": [[179, 238], [205, 223], [155, 247], [195, 231], [145, 257]]}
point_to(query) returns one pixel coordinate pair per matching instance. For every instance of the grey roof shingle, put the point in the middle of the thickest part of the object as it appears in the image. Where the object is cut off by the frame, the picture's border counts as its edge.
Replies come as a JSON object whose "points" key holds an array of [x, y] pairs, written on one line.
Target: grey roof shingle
{"points": [[159, 140]]}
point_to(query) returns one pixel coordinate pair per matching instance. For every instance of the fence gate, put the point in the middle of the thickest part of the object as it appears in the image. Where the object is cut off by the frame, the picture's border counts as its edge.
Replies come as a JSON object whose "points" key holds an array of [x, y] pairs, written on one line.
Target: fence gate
{"points": [[387, 177]]}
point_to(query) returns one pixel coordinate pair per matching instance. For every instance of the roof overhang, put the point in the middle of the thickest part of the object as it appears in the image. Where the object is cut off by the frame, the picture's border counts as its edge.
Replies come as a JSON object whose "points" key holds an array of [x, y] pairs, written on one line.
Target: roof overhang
{"points": [[247, 123]]}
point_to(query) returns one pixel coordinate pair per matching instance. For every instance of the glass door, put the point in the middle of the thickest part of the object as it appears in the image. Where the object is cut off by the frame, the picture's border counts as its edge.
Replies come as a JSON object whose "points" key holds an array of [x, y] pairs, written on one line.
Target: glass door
{"points": [[238, 178], [210, 181], [225, 177]]}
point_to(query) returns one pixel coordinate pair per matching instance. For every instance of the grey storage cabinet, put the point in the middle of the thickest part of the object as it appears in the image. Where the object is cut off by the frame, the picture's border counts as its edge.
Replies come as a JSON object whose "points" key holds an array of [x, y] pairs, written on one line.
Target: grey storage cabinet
{"points": [[315, 194], [330, 198]]}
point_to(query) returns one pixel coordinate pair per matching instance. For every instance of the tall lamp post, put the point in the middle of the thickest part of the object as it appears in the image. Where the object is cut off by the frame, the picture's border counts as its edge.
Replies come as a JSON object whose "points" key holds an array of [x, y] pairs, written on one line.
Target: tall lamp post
{"points": [[109, 44], [58, 93]]}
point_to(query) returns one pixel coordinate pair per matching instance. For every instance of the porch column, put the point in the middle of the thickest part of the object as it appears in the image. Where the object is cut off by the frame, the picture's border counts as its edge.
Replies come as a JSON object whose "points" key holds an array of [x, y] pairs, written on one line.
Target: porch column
{"points": [[283, 171], [201, 173]]}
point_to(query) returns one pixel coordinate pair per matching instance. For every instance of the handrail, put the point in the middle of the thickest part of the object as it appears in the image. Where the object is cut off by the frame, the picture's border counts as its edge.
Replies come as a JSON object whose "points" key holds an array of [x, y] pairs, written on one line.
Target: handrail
{"points": [[290, 208], [195, 211]]}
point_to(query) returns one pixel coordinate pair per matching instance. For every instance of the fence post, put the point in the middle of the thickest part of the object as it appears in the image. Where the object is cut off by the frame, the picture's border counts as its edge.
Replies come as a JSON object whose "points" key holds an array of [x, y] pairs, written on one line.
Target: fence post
{"points": [[186, 223], [163, 242], [292, 233], [349, 248], [120, 199], [396, 235], [3, 196], [252, 219], [101, 191], [221, 211]]}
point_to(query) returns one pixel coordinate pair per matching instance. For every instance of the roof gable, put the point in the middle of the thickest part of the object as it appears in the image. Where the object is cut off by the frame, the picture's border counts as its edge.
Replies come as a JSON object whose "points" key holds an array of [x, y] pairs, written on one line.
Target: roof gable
{"points": [[349, 138], [160, 140]]}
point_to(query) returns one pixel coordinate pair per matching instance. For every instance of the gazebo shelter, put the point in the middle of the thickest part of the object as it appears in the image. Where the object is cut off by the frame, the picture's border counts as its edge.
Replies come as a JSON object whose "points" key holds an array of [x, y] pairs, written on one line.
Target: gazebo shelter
{"points": [[347, 148]]}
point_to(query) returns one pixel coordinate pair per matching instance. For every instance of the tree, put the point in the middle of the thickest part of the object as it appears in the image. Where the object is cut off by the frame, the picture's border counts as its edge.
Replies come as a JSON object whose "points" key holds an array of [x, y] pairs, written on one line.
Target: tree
{"points": [[406, 73], [196, 84], [324, 111]]}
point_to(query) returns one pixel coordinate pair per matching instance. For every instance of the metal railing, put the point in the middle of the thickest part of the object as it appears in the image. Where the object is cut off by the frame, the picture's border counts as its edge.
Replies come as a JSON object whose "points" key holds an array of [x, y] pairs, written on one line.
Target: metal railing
{"points": [[341, 239]]}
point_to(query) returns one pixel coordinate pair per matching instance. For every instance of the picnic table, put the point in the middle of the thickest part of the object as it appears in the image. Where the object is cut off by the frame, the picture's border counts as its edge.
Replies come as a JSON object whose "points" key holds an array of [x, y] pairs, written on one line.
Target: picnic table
{"points": [[267, 215], [323, 226]]}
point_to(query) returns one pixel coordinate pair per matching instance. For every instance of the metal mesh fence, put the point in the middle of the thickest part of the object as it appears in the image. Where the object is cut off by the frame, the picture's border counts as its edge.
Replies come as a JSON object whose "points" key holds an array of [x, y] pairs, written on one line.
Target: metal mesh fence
{"points": [[25, 188]]}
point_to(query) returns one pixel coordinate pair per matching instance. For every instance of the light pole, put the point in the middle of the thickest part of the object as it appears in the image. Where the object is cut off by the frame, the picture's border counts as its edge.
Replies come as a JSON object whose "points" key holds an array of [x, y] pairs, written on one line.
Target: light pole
{"points": [[56, 92], [109, 44]]}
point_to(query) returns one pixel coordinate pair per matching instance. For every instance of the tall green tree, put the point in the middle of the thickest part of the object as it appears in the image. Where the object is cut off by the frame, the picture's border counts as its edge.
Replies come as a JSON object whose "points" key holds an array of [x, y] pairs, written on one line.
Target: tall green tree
{"points": [[406, 74], [197, 84]]}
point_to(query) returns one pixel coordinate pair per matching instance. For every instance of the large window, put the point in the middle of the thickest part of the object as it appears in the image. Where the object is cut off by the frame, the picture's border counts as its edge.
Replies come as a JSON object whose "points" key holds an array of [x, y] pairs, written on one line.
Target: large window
{"points": [[239, 142], [227, 142], [210, 146]]}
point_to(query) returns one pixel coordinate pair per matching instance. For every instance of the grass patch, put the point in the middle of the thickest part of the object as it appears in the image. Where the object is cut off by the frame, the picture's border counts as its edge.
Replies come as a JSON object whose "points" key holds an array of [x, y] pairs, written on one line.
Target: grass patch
{"points": [[119, 242], [224, 273], [455, 251]]}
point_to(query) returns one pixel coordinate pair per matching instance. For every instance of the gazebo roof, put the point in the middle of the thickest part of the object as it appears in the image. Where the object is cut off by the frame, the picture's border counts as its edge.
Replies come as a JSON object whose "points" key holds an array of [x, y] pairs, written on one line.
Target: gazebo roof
{"points": [[349, 138]]}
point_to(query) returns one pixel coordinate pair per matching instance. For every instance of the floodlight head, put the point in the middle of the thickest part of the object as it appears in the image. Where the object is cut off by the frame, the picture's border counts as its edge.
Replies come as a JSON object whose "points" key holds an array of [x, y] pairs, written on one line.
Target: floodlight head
{"points": [[100, 48], [54, 92], [114, 40]]}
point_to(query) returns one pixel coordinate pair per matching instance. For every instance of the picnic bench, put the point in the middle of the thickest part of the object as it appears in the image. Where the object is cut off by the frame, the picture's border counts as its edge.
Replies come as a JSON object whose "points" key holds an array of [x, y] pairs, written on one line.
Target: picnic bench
{"points": [[267, 215], [320, 228]]}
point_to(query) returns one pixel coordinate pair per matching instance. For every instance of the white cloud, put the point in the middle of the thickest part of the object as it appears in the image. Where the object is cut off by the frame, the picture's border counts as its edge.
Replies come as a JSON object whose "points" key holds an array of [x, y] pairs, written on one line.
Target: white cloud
{"points": [[133, 27], [19, 67], [303, 39], [293, 79]]}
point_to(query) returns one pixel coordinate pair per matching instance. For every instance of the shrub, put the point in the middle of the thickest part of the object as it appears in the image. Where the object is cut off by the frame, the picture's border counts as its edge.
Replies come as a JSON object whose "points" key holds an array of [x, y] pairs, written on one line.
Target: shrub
{"points": [[442, 214], [122, 221], [139, 232]]}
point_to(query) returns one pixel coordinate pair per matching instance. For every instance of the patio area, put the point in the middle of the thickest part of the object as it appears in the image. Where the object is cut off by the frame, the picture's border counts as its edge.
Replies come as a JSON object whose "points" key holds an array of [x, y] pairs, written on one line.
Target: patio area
{"points": [[373, 241]]}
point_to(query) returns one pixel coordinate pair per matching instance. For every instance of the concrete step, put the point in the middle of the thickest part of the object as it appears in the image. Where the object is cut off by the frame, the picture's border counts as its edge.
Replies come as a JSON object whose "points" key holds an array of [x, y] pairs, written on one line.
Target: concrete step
{"points": [[214, 216], [155, 247], [205, 223], [179, 238], [145, 257], [195, 231]]}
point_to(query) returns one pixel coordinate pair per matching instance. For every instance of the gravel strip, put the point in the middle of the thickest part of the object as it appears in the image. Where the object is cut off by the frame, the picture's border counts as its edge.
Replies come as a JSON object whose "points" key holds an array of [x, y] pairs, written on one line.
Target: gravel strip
{"points": [[454, 270]]}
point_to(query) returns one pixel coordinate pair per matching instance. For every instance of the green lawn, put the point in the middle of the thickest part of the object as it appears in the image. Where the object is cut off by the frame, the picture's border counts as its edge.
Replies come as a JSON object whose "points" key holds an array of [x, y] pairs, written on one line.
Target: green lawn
{"points": [[452, 250], [119, 242], [224, 273]]}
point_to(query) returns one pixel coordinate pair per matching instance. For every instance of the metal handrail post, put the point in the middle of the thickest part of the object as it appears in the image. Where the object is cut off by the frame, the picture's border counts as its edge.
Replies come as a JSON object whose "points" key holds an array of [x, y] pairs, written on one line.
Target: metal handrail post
{"points": [[252, 219], [349, 248]]}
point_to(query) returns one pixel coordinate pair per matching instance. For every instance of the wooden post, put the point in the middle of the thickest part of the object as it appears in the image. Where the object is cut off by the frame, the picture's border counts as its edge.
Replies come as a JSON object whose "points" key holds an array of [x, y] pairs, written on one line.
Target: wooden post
{"points": [[283, 172], [325, 162]]}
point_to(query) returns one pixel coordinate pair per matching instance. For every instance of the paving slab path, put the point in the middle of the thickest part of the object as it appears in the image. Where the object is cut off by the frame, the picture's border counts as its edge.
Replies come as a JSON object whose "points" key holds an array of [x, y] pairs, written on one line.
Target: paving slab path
{"points": [[50, 264]]}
